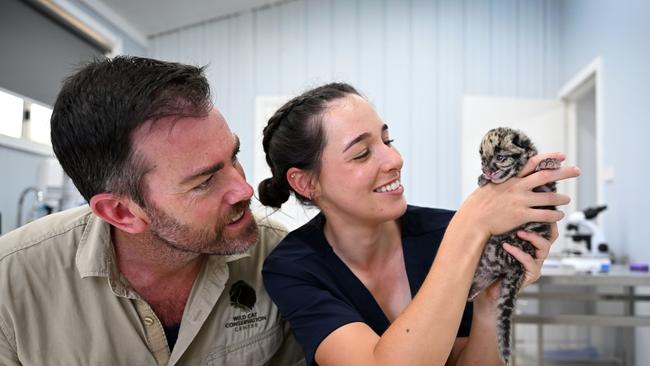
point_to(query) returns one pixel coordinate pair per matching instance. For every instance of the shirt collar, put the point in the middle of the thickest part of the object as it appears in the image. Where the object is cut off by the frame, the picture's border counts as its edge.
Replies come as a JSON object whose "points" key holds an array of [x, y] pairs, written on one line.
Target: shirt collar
{"points": [[421, 220], [96, 256]]}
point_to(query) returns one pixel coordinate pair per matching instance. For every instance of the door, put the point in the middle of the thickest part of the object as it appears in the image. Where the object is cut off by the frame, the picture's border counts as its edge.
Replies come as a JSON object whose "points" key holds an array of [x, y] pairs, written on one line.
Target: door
{"points": [[541, 119]]}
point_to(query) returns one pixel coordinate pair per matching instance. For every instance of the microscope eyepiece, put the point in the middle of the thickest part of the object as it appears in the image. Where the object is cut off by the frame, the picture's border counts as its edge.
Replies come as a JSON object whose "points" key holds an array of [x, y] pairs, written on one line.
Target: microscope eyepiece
{"points": [[591, 212]]}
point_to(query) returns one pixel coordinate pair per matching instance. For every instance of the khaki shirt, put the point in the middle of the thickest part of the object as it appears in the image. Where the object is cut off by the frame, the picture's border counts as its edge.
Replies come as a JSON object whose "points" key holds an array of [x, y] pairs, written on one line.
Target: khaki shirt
{"points": [[63, 302]]}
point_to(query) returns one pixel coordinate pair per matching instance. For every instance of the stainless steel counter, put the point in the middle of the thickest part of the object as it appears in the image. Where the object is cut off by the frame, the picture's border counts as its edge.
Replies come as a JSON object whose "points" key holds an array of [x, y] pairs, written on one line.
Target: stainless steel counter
{"points": [[618, 278]]}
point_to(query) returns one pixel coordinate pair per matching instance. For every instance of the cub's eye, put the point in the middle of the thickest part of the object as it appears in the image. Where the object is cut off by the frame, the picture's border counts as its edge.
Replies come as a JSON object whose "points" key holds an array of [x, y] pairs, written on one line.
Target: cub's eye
{"points": [[500, 157]]}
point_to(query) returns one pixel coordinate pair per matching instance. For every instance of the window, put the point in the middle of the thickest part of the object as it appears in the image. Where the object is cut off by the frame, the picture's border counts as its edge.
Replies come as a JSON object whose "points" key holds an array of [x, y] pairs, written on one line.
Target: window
{"points": [[40, 124], [23, 119], [11, 115]]}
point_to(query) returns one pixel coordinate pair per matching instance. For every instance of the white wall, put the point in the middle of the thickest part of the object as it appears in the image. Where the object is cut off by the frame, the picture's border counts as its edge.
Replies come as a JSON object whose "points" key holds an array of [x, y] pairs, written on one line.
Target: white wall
{"points": [[414, 59], [618, 32]]}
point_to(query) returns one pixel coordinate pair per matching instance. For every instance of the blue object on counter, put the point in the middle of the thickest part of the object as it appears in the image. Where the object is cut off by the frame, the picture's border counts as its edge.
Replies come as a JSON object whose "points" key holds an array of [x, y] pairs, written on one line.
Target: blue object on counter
{"points": [[639, 267], [569, 354]]}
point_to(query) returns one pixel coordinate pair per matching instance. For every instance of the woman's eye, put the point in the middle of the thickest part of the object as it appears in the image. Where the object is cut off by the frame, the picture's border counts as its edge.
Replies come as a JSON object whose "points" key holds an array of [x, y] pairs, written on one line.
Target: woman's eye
{"points": [[389, 142], [361, 156]]}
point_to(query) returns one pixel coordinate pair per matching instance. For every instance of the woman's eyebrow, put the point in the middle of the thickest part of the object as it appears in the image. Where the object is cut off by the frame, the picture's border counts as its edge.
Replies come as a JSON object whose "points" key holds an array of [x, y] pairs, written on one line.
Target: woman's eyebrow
{"points": [[364, 135]]}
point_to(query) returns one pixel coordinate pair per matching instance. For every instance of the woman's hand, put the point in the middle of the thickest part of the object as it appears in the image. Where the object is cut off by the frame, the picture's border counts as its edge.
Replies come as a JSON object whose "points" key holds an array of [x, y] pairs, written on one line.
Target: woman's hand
{"points": [[498, 208], [485, 303], [532, 266]]}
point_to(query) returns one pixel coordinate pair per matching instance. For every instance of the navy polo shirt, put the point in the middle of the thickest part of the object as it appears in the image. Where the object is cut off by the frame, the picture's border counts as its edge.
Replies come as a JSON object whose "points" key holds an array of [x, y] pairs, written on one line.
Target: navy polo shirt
{"points": [[317, 293]]}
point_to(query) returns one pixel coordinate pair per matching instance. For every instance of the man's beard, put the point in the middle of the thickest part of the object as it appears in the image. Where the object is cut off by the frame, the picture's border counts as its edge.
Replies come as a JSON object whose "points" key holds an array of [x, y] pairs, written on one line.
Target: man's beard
{"points": [[208, 240]]}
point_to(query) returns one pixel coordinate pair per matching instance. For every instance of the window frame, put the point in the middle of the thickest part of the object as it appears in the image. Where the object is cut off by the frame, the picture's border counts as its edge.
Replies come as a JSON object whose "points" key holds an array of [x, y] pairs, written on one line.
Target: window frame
{"points": [[23, 143]]}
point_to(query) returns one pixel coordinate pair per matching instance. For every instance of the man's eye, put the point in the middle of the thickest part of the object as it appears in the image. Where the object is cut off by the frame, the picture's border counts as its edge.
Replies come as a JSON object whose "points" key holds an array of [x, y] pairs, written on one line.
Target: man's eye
{"points": [[205, 184], [235, 158]]}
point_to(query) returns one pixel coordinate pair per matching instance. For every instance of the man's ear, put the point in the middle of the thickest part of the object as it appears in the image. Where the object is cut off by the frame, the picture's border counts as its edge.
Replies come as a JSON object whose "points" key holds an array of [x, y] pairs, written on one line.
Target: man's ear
{"points": [[302, 182], [120, 212]]}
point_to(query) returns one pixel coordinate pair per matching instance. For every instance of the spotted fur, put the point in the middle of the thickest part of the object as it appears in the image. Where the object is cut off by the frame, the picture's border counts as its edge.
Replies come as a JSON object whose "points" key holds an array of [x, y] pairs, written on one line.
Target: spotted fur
{"points": [[504, 151]]}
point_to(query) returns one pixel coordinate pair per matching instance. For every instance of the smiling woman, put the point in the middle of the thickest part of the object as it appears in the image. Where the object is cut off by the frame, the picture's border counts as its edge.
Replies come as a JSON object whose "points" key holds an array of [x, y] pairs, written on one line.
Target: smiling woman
{"points": [[372, 280]]}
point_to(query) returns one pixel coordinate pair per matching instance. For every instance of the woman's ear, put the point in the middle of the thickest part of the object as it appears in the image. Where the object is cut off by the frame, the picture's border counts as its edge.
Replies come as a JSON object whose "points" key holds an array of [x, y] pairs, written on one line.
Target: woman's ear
{"points": [[120, 212], [301, 181]]}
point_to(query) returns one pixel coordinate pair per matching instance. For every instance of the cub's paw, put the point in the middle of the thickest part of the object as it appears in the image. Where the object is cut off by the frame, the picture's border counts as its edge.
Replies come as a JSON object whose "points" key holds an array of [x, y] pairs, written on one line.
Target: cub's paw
{"points": [[549, 163]]}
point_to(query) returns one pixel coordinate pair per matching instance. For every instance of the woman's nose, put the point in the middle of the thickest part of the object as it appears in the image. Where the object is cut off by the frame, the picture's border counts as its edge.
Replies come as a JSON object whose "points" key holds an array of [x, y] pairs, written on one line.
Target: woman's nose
{"points": [[392, 159]]}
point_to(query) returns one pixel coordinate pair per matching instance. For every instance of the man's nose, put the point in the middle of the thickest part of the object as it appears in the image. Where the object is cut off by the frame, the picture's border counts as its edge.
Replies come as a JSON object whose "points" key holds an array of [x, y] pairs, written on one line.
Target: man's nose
{"points": [[239, 190]]}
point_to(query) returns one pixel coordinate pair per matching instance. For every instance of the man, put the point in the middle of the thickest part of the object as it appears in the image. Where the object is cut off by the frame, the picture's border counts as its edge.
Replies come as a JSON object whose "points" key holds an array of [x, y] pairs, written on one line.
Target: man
{"points": [[163, 266]]}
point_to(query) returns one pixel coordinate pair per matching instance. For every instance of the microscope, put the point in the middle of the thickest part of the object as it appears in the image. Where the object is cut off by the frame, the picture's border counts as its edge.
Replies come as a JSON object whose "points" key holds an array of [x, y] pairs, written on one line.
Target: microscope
{"points": [[580, 228]]}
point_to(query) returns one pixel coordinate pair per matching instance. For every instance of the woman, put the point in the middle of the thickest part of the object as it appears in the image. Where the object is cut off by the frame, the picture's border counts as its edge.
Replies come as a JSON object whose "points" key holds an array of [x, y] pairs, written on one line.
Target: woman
{"points": [[358, 283]]}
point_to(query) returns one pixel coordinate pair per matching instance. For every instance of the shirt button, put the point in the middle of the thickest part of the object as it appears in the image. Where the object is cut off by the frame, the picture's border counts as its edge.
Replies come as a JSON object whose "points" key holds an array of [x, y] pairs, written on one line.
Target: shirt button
{"points": [[148, 320]]}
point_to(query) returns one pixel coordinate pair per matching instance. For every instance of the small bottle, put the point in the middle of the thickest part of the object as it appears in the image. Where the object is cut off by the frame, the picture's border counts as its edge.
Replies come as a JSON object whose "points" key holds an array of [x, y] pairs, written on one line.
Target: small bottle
{"points": [[604, 268]]}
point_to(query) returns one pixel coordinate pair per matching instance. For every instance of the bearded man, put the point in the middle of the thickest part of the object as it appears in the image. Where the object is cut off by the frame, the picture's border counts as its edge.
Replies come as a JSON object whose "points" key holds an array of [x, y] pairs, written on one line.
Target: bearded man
{"points": [[163, 266]]}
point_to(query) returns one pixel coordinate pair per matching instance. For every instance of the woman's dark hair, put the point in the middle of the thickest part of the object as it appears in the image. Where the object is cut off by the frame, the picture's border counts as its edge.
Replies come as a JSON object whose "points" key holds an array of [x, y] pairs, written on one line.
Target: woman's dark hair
{"points": [[294, 137], [100, 106]]}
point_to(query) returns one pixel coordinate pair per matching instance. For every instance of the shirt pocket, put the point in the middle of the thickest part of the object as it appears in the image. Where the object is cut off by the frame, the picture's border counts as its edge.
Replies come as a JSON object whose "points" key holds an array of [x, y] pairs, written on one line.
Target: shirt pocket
{"points": [[253, 351]]}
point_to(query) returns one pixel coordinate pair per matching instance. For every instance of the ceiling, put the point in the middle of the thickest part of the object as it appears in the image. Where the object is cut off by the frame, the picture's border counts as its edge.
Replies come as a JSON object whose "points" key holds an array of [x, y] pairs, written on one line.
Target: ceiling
{"points": [[149, 17]]}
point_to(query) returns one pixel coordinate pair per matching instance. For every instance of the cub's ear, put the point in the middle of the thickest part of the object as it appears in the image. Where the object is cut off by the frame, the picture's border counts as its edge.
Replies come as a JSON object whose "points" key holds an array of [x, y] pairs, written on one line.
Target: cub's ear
{"points": [[524, 142], [532, 152]]}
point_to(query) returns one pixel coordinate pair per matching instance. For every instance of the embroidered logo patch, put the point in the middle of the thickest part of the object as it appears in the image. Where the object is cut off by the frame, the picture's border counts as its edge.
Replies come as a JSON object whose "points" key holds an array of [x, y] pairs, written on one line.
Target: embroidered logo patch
{"points": [[242, 295], [243, 298]]}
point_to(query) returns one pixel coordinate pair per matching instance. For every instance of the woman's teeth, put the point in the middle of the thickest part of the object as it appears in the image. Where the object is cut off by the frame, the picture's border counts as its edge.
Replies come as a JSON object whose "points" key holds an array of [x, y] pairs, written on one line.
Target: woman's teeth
{"points": [[389, 187], [239, 216]]}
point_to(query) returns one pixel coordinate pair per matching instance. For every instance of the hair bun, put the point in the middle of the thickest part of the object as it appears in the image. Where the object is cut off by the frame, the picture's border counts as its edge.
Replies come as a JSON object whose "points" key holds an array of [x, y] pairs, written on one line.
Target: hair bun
{"points": [[272, 194]]}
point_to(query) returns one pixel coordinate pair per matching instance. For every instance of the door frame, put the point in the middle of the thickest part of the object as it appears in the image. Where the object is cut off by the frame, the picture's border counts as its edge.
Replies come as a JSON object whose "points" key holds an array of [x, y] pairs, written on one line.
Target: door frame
{"points": [[587, 79]]}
